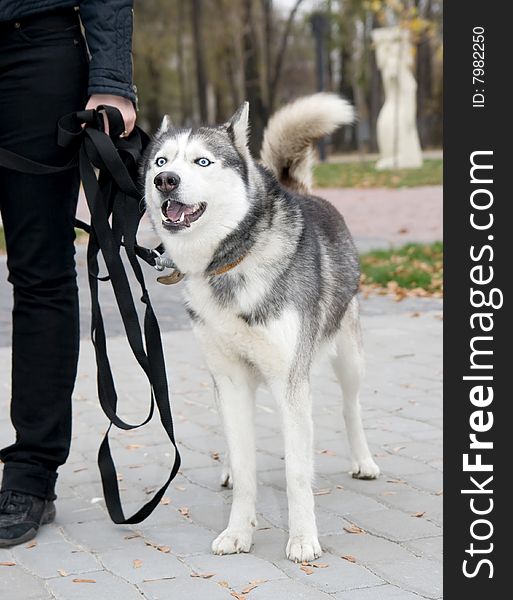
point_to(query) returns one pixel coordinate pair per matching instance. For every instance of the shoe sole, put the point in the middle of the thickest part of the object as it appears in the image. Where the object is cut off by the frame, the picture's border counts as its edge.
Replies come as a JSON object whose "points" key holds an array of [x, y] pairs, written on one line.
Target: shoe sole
{"points": [[48, 517]]}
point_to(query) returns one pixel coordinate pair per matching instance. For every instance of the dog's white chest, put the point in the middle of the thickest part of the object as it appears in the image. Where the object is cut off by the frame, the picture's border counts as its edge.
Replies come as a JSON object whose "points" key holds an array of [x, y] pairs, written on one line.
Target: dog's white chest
{"points": [[269, 347]]}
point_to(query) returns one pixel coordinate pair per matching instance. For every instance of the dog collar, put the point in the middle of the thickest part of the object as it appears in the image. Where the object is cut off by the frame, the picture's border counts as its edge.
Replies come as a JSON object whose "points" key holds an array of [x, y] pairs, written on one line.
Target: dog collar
{"points": [[226, 268], [176, 275]]}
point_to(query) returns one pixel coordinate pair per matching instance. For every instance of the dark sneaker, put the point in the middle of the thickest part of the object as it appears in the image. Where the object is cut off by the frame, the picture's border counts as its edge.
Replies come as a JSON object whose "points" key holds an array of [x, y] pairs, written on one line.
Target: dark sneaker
{"points": [[21, 516]]}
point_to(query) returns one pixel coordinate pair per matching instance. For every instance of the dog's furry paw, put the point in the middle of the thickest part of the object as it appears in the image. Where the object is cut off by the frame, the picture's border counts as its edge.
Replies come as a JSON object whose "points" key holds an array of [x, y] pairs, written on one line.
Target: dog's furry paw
{"points": [[233, 541], [365, 469], [303, 548], [226, 479]]}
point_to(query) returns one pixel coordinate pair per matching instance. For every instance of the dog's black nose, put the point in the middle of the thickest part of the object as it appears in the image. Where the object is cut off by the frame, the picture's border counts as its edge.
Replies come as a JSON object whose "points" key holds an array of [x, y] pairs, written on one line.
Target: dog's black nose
{"points": [[166, 182]]}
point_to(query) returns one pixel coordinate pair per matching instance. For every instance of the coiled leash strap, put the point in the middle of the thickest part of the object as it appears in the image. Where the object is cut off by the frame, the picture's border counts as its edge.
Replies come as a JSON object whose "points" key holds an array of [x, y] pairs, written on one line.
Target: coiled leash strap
{"points": [[112, 194]]}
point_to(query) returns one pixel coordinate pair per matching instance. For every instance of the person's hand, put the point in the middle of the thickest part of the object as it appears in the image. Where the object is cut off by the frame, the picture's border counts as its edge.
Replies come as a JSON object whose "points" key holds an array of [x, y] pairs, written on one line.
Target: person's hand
{"points": [[125, 107]]}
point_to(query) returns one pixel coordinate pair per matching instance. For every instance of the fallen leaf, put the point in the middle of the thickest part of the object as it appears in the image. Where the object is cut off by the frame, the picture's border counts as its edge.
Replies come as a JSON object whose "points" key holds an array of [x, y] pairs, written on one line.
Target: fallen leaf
{"points": [[164, 549], [165, 501], [402, 230], [135, 466], [308, 570], [184, 511], [7, 564], [388, 493], [84, 580], [326, 452], [396, 481], [119, 476], [137, 563], [214, 455], [399, 448], [131, 536], [320, 565], [180, 488], [157, 579], [238, 596], [440, 492], [81, 469], [354, 529], [248, 589], [62, 572], [339, 487], [223, 584], [149, 490], [415, 314], [349, 558], [322, 492], [31, 545], [419, 514], [203, 575], [134, 446]]}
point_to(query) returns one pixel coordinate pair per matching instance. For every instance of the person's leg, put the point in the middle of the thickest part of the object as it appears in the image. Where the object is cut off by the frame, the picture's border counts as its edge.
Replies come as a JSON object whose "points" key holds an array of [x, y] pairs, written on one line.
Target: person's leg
{"points": [[43, 75]]}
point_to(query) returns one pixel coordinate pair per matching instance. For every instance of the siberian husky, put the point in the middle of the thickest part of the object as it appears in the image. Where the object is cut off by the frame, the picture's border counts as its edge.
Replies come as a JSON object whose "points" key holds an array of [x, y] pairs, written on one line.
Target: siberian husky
{"points": [[271, 276]]}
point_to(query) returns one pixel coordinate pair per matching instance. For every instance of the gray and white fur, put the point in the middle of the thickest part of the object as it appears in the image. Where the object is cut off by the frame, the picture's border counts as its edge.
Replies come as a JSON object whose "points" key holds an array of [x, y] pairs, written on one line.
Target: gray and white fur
{"points": [[290, 291]]}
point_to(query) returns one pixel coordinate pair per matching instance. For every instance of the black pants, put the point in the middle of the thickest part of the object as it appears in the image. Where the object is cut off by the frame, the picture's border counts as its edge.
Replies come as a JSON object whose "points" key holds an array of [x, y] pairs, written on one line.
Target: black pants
{"points": [[43, 76]]}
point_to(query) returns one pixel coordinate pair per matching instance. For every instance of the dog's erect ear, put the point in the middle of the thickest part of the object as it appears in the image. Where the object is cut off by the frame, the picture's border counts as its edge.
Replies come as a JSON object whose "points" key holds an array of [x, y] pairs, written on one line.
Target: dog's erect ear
{"points": [[165, 125], [237, 127]]}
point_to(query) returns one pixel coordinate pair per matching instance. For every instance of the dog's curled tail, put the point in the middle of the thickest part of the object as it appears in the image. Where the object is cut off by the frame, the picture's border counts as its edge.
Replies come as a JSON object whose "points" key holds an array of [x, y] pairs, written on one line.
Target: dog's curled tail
{"points": [[287, 147]]}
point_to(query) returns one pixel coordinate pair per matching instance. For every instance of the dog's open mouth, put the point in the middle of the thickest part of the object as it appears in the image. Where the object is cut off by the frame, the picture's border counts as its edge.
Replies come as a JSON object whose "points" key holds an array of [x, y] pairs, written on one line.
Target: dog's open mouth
{"points": [[176, 215]]}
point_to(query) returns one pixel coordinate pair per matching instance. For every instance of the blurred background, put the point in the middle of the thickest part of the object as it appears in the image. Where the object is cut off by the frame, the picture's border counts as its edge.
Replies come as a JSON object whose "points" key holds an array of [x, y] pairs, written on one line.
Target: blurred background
{"points": [[197, 60]]}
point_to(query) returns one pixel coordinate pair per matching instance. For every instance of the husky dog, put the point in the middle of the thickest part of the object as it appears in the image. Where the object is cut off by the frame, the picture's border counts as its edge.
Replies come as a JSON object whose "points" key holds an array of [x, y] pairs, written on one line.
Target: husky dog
{"points": [[271, 276]]}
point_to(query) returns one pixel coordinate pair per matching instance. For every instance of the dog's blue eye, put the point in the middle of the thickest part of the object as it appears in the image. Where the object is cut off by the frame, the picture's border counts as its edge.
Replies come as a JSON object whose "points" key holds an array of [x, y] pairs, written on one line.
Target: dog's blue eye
{"points": [[203, 162], [161, 161]]}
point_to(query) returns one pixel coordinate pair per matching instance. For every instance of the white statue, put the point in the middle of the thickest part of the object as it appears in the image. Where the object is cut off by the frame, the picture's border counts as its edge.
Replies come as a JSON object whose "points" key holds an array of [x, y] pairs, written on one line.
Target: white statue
{"points": [[398, 139]]}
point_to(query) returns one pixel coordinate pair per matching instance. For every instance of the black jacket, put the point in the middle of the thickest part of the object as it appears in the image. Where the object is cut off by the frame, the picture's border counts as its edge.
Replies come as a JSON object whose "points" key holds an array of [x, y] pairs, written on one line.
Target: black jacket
{"points": [[108, 27]]}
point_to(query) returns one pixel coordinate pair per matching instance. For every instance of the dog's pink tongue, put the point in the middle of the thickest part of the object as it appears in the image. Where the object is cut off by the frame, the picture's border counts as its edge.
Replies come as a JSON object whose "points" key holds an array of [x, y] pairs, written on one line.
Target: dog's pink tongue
{"points": [[174, 210]]}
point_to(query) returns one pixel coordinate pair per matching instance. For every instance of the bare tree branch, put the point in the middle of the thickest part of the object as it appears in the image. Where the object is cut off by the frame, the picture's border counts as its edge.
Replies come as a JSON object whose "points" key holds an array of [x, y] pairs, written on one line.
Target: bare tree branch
{"points": [[278, 65]]}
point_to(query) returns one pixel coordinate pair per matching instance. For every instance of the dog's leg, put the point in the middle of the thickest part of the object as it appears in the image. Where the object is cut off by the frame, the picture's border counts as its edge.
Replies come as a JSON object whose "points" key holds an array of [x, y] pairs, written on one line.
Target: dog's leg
{"points": [[236, 406], [226, 479], [296, 409], [348, 365]]}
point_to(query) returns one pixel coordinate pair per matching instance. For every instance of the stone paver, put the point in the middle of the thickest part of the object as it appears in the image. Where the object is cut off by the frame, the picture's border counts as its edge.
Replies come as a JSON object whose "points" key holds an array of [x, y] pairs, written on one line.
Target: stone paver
{"points": [[382, 592], [186, 588], [100, 585], [398, 557]]}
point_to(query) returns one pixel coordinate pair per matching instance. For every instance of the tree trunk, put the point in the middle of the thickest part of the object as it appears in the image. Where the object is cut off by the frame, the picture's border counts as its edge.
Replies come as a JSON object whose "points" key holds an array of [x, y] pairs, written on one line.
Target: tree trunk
{"points": [[252, 80], [278, 65], [182, 79], [375, 95], [342, 140], [199, 52], [267, 10], [425, 118]]}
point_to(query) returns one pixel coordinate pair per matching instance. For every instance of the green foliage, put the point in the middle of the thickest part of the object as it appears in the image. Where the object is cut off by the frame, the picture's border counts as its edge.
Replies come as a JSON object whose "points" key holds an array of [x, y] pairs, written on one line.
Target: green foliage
{"points": [[364, 175], [409, 267]]}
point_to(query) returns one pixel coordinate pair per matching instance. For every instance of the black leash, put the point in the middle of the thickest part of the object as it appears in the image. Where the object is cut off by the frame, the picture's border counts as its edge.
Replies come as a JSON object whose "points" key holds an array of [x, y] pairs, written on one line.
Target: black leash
{"points": [[112, 194]]}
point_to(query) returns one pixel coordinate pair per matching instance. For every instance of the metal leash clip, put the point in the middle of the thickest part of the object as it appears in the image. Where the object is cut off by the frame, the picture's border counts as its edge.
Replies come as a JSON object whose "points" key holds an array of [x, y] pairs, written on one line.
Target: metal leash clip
{"points": [[164, 262]]}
